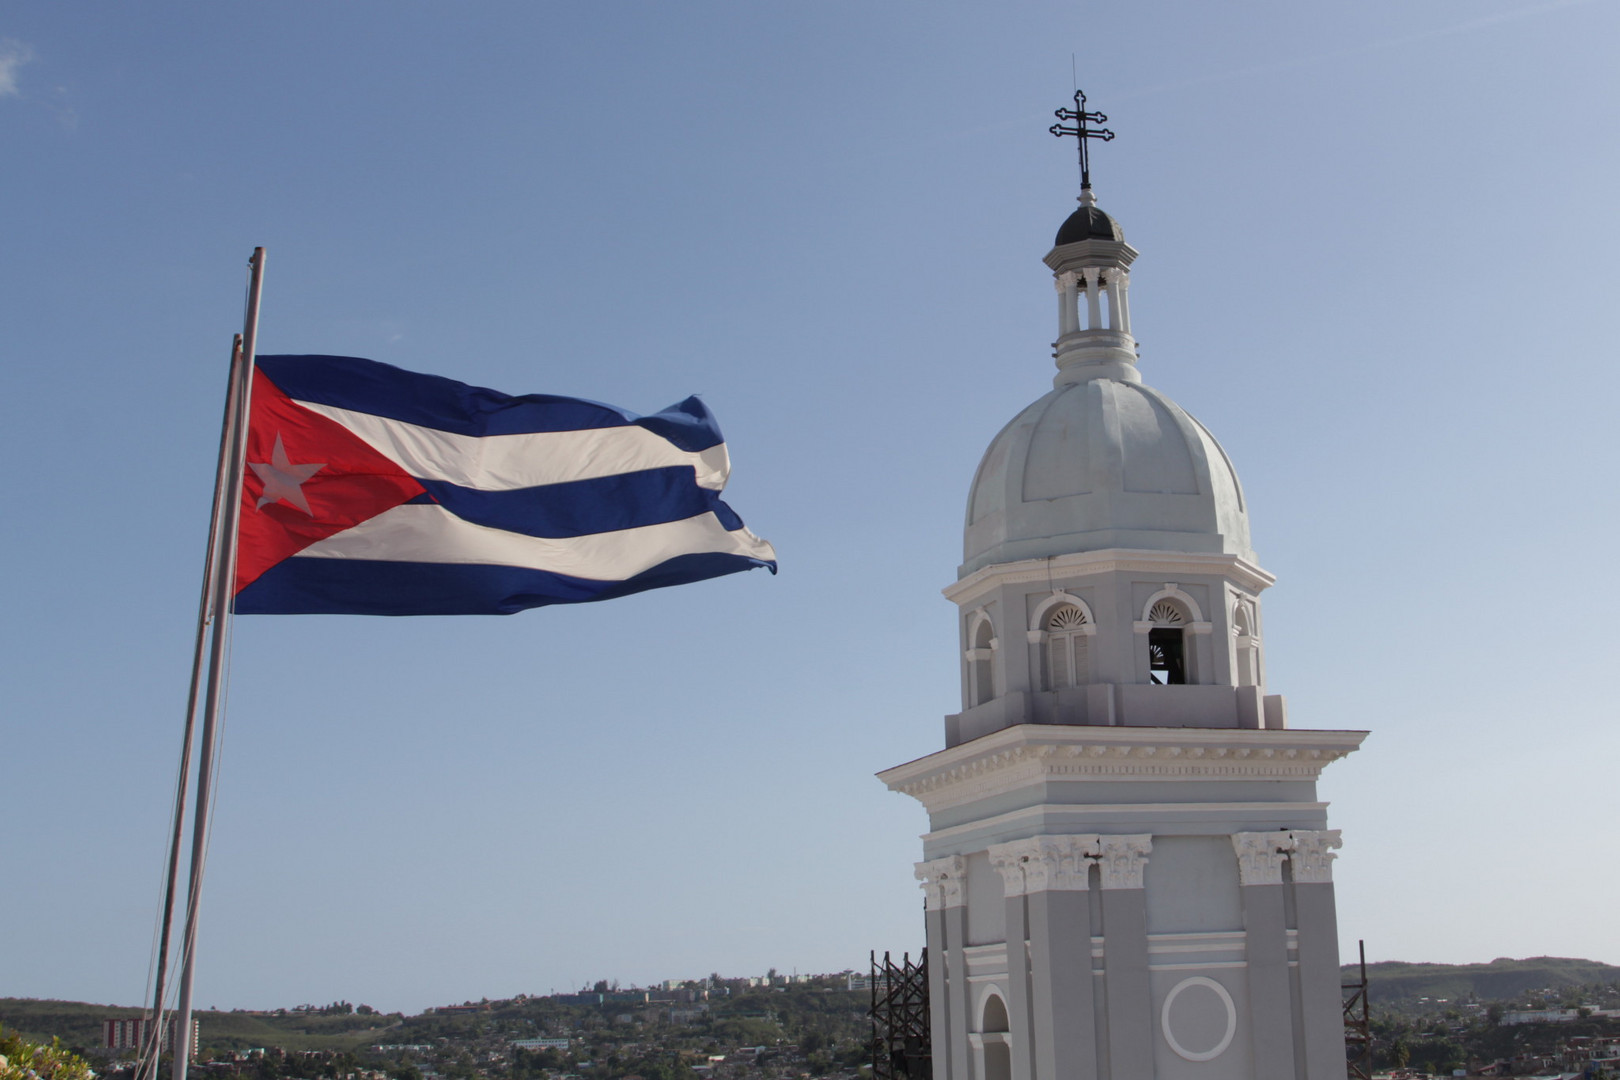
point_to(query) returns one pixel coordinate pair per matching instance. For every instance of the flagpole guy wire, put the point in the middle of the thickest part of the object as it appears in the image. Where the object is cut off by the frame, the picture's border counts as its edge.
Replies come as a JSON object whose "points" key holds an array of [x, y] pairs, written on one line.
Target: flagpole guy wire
{"points": [[214, 617]]}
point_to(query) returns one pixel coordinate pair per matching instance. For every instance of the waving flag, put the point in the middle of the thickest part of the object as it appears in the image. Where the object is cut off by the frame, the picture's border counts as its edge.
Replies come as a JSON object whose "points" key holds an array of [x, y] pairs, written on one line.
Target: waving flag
{"points": [[375, 491]]}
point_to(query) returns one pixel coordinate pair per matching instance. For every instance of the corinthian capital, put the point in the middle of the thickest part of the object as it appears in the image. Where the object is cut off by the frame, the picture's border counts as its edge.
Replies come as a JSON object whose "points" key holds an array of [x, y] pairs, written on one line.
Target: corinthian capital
{"points": [[1066, 282], [943, 881], [1070, 859], [1123, 858], [1044, 863], [1009, 861], [1313, 855], [1260, 856]]}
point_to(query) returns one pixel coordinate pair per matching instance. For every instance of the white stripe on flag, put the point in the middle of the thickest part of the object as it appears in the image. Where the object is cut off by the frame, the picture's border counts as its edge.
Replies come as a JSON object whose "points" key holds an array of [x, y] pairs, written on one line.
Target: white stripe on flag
{"points": [[507, 462], [423, 532]]}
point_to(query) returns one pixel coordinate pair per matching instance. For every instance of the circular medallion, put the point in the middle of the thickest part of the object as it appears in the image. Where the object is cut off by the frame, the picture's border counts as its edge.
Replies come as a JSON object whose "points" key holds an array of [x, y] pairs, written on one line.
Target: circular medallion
{"points": [[1202, 1012]]}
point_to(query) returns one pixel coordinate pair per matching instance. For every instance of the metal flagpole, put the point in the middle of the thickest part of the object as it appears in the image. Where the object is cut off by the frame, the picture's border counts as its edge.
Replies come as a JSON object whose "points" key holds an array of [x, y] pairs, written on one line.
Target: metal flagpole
{"points": [[151, 1043], [224, 591]]}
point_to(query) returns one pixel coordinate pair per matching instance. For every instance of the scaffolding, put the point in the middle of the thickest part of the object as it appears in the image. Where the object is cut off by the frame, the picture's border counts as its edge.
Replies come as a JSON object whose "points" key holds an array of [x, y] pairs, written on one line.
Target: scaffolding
{"points": [[900, 1025], [1358, 1024]]}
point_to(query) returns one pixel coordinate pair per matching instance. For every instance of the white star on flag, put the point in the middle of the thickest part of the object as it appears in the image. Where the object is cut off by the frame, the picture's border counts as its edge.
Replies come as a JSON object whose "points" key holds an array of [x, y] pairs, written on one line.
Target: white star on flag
{"points": [[283, 481]]}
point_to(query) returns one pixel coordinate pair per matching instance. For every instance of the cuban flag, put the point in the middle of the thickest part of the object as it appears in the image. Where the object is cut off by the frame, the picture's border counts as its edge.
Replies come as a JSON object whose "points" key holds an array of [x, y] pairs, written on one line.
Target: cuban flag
{"points": [[369, 490]]}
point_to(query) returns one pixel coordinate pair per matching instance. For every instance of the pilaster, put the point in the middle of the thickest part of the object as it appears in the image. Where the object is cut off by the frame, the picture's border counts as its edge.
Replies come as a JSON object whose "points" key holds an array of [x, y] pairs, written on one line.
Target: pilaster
{"points": [[1009, 861], [944, 884], [1260, 858], [1050, 875], [1311, 860], [1122, 859], [938, 1027], [1062, 992]]}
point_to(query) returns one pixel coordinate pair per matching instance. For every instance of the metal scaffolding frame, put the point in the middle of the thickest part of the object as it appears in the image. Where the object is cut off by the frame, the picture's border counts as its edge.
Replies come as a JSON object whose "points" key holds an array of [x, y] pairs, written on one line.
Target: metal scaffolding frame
{"points": [[901, 1047], [1358, 1024]]}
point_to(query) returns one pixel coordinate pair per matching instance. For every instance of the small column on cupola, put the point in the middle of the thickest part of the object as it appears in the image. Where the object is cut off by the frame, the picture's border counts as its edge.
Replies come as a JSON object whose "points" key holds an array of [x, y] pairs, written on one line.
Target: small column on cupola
{"points": [[1091, 268]]}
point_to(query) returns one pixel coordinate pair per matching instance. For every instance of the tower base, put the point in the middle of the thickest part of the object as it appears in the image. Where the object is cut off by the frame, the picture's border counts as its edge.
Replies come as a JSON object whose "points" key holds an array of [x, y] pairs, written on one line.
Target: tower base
{"points": [[1109, 903]]}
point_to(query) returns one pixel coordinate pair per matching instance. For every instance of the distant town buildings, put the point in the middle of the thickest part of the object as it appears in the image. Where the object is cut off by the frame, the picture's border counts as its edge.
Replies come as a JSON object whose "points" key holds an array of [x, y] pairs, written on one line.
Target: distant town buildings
{"points": [[132, 1033], [1554, 1016], [1591, 1055]]}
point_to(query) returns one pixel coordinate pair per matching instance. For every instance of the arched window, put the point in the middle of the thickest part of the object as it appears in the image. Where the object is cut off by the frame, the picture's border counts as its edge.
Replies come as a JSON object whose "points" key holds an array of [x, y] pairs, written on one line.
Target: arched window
{"points": [[993, 1038], [995, 1014], [981, 670], [1068, 661], [1246, 643], [1167, 647]]}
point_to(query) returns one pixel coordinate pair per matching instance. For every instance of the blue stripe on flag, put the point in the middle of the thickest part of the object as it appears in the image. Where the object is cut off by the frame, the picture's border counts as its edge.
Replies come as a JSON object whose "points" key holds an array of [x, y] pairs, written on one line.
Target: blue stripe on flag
{"points": [[305, 586], [349, 382], [582, 507]]}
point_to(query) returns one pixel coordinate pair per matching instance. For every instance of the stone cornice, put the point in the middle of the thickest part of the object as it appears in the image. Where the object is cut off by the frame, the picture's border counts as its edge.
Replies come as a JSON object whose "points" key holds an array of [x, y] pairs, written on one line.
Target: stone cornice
{"points": [[1027, 754], [1164, 564]]}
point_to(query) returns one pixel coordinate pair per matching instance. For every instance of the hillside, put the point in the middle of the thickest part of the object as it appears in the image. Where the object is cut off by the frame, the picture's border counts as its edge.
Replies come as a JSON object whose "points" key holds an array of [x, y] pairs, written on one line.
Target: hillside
{"points": [[1399, 989], [819, 1028], [78, 1023], [1394, 982]]}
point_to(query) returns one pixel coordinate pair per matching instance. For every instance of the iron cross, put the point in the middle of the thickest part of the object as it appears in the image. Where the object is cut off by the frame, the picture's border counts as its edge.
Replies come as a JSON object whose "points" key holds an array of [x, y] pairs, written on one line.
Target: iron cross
{"points": [[1082, 133]]}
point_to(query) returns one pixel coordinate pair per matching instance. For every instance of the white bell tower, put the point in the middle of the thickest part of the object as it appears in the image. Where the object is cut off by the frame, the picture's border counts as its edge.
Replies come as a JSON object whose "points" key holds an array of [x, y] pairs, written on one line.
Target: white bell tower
{"points": [[1127, 869]]}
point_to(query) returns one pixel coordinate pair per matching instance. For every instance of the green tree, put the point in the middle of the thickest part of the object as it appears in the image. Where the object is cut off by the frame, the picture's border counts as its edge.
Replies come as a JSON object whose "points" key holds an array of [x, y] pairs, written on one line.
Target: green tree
{"points": [[24, 1060], [665, 1068]]}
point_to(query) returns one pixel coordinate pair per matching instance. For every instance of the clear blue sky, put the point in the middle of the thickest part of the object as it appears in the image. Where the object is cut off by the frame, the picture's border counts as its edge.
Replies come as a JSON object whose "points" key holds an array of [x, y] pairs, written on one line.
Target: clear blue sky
{"points": [[1377, 261]]}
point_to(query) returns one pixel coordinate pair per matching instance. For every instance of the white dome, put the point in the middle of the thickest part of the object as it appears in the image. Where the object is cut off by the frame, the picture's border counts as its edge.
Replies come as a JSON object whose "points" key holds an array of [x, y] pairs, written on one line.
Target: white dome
{"points": [[1103, 463]]}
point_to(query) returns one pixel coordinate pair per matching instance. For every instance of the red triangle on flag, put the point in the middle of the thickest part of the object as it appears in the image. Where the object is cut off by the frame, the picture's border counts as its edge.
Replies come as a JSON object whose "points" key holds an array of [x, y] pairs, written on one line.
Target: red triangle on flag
{"points": [[306, 478]]}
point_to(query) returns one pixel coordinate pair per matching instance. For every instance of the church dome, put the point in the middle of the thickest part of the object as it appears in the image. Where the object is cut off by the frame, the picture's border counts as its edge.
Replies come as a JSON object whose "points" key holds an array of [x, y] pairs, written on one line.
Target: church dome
{"points": [[1103, 463], [1088, 223]]}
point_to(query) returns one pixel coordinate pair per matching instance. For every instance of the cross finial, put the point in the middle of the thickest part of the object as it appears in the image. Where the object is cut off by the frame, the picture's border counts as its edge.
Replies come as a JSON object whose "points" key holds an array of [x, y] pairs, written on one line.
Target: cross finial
{"points": [[1082, 133]]}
